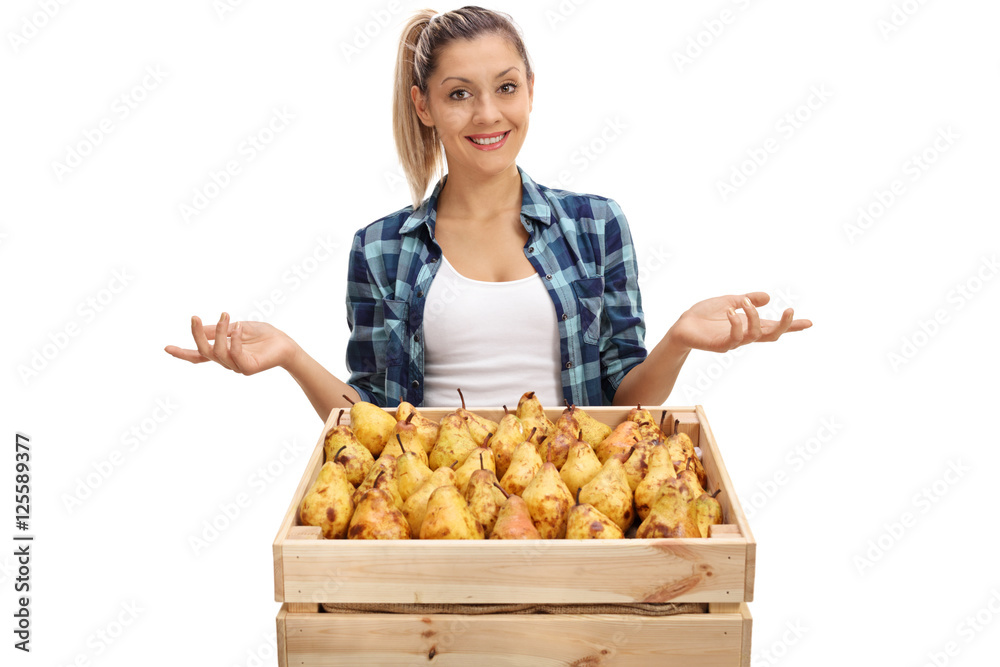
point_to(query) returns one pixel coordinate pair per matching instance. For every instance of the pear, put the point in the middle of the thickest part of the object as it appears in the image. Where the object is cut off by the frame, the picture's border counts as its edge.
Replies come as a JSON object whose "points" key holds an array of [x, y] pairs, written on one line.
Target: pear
{"points": [[661, 469], [707, 512], [418, 427], [479, 458], [621, 439], [377, 518], [509, 434], [328, 503], [341, 446], [637, 464], [586, 522], [689, 484], [555, 448], [454, 443], [479, 426], [399, 446], [381, 476], [514, 521], [593, 431], [411, 471], [609, 493], [484, 498], [682, 449], [415, 506], [548, 501], [532, 415], [523, 467], [372, 425], [671, 515], [580, 467], [448, 517]]}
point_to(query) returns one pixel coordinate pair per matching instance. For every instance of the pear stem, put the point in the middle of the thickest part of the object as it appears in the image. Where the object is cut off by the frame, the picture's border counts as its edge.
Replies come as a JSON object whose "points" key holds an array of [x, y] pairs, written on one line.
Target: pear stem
{"points": [[348, 399], [505, 411], [338, 452], [662, 417], [482, 466], [461, 397], [578, 490], [630, 450], [486, 440], [400, 441], [532, 434], [505, 494], [410, 416], [339, 415], [717, 492], [677, 422]]}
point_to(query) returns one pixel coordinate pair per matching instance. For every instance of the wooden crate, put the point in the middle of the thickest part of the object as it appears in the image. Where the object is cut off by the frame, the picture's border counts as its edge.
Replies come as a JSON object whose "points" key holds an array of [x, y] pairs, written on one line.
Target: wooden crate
{"points": [[718, 570]]}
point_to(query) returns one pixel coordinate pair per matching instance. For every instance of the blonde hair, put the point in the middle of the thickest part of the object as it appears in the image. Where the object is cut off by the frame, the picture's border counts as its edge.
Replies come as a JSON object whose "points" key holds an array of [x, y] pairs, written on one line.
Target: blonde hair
{"points": [[424, 35]]}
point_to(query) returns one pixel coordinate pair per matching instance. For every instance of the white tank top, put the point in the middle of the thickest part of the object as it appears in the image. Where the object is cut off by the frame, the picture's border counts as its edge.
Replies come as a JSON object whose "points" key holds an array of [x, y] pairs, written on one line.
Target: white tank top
{"points": [[494, 340]]}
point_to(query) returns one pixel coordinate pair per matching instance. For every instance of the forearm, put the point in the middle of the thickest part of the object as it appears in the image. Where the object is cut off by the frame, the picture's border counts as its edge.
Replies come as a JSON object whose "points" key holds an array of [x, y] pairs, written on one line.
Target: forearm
{"points": [[651, 381], [321, 387]]}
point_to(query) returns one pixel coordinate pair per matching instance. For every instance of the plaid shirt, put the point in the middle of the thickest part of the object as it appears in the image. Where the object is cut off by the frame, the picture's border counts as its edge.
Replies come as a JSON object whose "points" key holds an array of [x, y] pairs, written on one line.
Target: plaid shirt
{"points": [[581, 246]]}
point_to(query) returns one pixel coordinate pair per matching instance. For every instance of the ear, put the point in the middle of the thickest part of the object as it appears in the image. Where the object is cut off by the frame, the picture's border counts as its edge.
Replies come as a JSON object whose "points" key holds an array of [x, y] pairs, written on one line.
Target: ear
{"points": [[420, 104], [531, 90]]}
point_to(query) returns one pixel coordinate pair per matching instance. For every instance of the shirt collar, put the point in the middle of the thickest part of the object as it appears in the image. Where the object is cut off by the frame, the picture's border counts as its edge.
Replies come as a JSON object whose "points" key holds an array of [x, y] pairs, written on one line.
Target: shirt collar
{"points": [[534, 205]]}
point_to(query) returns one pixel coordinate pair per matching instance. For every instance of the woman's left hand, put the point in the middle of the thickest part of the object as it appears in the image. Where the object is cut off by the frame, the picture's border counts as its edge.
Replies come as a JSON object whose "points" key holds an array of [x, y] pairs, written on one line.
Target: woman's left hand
{"points": [[717, 325]]}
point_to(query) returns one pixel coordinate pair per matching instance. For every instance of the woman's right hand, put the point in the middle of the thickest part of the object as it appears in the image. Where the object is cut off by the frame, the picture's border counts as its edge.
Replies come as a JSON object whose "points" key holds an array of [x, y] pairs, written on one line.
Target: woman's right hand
{"points": [[243, 347]]}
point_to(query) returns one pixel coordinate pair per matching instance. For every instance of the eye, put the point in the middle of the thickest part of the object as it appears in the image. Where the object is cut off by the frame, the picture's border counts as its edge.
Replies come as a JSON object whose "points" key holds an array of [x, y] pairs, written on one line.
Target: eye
{"points": [[508, 88], [459, 94]]}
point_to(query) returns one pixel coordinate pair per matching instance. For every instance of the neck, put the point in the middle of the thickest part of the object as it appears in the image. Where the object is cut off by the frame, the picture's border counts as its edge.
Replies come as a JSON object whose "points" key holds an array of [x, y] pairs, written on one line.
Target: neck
{"points": [[470, 197]]}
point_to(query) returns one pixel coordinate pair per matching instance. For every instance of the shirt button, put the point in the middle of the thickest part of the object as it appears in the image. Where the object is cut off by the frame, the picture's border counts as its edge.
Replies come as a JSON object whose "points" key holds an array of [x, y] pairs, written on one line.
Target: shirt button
{"points": [[416, 338], [531, 249], [414, 384], [548, 276], [569, 364], [565, 316], [434, 260], [420, 294]]}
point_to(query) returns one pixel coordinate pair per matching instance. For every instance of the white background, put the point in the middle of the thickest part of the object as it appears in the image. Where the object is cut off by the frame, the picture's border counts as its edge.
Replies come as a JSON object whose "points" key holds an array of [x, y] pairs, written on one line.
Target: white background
{"points": [[880, 431]]}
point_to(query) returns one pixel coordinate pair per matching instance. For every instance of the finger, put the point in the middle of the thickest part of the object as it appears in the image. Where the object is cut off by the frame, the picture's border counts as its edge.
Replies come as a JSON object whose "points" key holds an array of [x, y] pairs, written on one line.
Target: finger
{"points": [[773, 330], [194, 356], [735, 328], [758, 298], [236, 347], [200, 339], [753, 321], [221, 347]]}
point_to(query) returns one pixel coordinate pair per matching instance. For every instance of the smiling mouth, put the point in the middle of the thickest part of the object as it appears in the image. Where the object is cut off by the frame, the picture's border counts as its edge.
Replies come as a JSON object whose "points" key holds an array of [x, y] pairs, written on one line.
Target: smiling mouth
{"points": [[489, 141]]}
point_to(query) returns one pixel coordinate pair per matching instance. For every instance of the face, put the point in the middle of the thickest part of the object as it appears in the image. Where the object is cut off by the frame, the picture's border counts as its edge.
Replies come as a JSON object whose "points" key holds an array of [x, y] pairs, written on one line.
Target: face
{"points": [[479, 100]]}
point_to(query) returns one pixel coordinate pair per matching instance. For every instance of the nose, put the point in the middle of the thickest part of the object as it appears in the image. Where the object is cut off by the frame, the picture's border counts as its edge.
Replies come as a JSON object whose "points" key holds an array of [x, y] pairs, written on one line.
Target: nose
{"points": [[486, 112]]}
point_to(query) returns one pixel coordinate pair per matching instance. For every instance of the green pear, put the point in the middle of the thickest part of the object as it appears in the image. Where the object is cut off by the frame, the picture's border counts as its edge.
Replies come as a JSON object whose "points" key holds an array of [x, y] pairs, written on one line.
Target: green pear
{"points": [[448, 517], [328, 503]]}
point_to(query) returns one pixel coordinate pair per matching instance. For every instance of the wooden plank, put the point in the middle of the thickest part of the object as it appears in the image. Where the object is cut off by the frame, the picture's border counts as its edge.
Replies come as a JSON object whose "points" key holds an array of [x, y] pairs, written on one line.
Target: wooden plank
{"points": [[539, 571], [305, 533], [746, 635], [282, 638], [712, 456], [687, 640]]}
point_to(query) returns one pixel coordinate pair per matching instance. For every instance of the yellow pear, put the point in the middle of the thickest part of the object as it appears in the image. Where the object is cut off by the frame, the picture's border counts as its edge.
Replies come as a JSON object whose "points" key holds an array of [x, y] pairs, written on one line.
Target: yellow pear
{"points": [[509, 434], [637, 464], [580, 467], [671, 515], [448, 517], [343, 447], [398, 446], [415, 506], [411, 472], [372, 425], [555, 448], [591, 430], [328, 503], [484, 498], [707, 512], [532, 415], [586, 522], [682, 449], [381, 476], [610, 494], [454, 442], [480, 427], [514, 521], [548, 501], [479, 458], [415, 427], [377, 518], [523, 467], [661, 469]]}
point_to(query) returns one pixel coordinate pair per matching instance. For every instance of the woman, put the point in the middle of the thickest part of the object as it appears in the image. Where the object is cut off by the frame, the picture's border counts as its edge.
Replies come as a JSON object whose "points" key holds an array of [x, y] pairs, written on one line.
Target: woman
{"points": [[493, 283]]}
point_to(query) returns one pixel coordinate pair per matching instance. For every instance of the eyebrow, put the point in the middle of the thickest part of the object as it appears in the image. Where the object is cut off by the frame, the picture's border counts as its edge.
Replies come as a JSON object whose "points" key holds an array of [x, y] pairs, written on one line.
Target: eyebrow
{"points": [[464, 80]]}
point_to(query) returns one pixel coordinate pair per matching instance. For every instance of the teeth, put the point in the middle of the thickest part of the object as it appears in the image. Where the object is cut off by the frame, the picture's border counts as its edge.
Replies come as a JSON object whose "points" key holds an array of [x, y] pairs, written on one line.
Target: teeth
{"points": [[487, 142]]}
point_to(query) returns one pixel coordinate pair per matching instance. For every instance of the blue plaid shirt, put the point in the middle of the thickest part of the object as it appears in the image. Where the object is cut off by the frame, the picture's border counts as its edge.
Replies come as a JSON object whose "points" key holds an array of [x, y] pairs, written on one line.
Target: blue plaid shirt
{"points": [[581, 246]]}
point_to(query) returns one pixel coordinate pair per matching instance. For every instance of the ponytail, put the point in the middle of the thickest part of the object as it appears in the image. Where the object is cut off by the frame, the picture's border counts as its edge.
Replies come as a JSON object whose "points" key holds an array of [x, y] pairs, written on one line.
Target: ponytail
{"points": [[424, 35]]}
